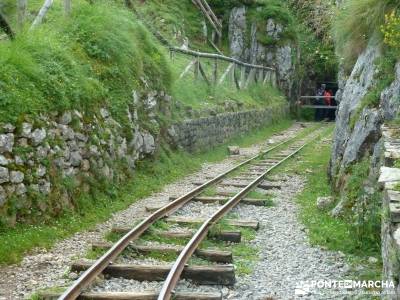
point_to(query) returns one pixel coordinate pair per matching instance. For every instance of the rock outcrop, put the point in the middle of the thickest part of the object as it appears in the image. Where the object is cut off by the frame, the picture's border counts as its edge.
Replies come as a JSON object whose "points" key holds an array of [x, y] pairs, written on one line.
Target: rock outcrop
{"points": [[358, 131], [362, 135], [246, 45]]}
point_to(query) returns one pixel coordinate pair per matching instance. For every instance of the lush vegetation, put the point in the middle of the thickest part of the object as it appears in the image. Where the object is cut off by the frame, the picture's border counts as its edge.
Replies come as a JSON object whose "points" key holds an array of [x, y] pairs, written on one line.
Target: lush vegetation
{"points": [[356, 23], [93, 58]]}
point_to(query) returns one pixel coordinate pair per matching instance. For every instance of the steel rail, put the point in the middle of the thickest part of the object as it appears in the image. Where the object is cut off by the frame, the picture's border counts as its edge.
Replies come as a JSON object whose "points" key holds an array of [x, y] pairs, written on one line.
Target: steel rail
{"points": [[177, 269], [106, 259]]}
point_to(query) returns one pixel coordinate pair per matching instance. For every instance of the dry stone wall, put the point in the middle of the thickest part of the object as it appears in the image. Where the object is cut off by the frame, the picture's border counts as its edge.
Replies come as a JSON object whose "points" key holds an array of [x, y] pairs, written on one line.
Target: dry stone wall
{"points": [[390, 234], [203, 133], [46, 161]]}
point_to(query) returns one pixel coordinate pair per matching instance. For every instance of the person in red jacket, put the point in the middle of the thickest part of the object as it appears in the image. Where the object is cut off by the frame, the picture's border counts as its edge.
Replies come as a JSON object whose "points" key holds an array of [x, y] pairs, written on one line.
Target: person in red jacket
{"points": [[327, 98]]}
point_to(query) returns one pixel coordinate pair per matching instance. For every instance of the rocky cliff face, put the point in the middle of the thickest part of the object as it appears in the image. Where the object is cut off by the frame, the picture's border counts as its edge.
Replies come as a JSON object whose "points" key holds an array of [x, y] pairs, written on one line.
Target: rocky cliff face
{"points": [[245, 45], [358, 132]]}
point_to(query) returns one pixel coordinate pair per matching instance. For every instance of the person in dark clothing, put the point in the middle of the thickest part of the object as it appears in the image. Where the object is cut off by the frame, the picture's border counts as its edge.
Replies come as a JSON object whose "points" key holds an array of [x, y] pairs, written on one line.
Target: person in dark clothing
{"points": [[319, 112], [332, 102]]}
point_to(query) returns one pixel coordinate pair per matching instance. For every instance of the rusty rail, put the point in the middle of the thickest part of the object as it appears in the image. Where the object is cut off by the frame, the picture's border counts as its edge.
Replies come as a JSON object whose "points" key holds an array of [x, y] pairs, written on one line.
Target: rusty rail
{"points": [[99, 265], [176, 270]]}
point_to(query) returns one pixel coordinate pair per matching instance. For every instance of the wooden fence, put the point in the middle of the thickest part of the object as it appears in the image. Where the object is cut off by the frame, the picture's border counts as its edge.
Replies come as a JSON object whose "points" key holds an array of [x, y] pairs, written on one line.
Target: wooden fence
{"points": [[240, 73]]}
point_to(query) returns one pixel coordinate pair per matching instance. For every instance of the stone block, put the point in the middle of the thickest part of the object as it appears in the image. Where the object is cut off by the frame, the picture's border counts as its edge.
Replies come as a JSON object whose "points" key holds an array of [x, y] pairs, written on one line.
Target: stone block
{"points": [[389, 175], [16, 176], [234, 150], [6, 142], [4, 175]]}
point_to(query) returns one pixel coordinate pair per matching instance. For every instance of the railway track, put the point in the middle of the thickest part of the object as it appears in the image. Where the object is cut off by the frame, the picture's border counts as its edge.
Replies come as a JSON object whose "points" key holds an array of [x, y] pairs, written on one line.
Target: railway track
{"points": [[164, 222]]}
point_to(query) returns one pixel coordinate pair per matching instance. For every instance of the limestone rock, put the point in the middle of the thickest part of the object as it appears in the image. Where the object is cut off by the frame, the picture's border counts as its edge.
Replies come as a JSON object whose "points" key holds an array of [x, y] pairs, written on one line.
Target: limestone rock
{"points": [[356, 87], [94, 150], [4, 175], [137, 142], [389, 175], [366, 133], [75, 158], [9, 128], [16, 176], [6, 142], [41, 171], [21, 189], [150, 102], [237, 31], [38, 135], [26, 130], [104, 113], [44, 186], [324, 202], [234, 150], [65, 118], [390, 97], [3, 161], [148, 143], [67, 133], [372, 260], [85, 166], [273, 29]]}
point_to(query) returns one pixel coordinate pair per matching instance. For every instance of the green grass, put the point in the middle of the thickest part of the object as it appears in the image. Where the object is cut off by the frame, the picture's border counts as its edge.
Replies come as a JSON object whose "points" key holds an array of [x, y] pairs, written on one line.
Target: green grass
{"points": [[92, 59], [167, 166], [209, 192], [267, 199]]}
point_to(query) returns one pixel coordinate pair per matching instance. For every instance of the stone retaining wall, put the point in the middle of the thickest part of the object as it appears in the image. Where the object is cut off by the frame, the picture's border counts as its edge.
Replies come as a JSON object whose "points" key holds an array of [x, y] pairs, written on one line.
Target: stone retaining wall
{"points": [[390, 234], [203, 133], [48, 161]]}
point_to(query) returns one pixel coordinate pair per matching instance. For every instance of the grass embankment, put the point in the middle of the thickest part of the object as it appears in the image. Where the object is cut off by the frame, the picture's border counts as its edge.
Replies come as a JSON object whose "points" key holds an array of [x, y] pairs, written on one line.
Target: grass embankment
{"points": [[334, 234], [150, 177], [92, 59]]}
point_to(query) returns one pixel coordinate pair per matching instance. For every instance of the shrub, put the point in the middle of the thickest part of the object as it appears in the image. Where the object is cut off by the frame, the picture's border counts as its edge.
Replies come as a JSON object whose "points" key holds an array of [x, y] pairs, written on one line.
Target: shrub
{"points": [[356, 23], [391, 30]]}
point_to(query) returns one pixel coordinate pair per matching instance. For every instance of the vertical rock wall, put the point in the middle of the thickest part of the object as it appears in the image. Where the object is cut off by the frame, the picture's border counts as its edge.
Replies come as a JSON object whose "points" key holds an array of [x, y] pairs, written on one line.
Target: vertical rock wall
{"points": [[245, 45], [363, 135]]}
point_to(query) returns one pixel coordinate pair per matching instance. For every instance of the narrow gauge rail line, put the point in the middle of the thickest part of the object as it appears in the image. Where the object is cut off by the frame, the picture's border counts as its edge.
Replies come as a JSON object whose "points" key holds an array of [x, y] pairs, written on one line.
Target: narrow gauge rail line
{"points": [[173, 277], [88, 277]]}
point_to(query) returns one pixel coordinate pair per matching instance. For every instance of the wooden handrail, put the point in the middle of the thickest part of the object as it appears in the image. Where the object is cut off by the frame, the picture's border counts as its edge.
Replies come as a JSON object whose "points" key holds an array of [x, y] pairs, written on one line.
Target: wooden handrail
{"points": [[213, 16], [200, 5], [218, 56]]}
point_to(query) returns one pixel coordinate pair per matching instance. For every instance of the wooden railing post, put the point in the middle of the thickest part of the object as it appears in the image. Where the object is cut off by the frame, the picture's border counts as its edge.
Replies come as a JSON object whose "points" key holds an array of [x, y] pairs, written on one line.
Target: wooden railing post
{"points": [[215, 71], [235, 79], [196, 68]]}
